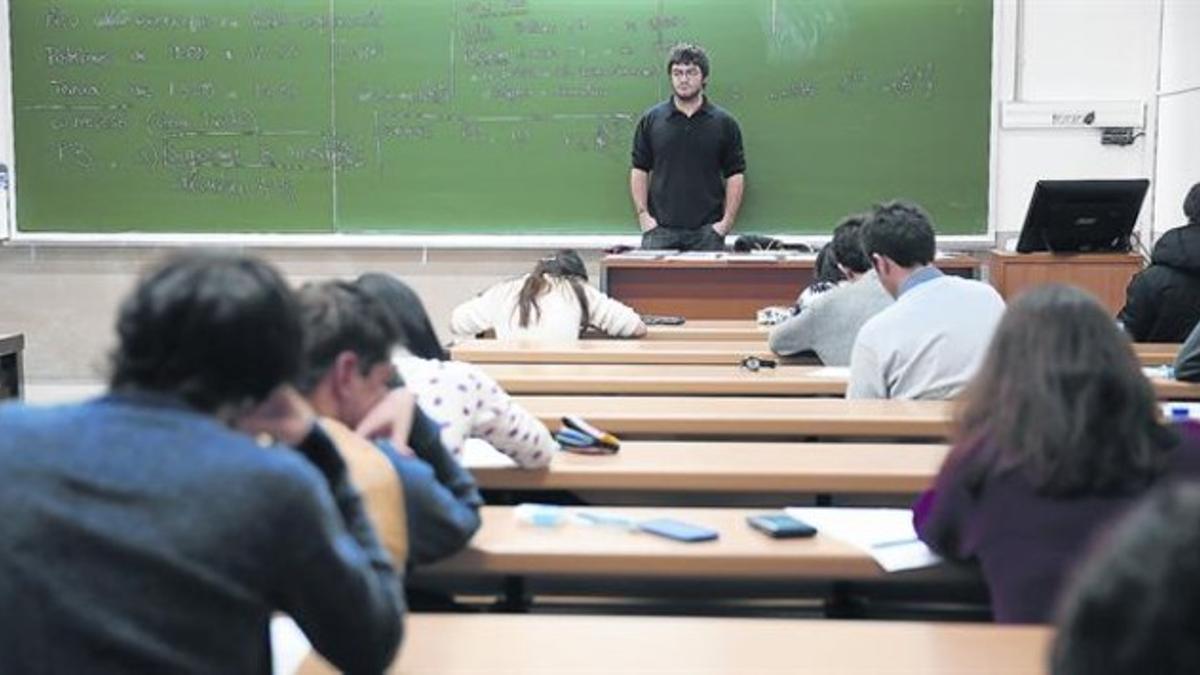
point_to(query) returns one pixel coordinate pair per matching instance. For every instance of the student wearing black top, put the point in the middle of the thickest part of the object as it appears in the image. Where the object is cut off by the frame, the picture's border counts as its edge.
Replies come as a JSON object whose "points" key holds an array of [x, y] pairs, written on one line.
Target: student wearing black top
{"points": [[689, 168], [1163, 301]]}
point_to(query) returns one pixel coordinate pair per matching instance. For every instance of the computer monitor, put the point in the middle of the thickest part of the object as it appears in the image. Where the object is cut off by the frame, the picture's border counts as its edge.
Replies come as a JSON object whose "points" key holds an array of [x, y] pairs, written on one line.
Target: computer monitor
{"points": [[1071, 216]]}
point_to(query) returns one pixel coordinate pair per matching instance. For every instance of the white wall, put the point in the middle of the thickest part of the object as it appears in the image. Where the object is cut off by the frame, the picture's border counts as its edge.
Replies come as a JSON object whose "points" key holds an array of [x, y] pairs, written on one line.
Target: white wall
{"points": [[1178, 165], [1064, 50], [63, 297]]}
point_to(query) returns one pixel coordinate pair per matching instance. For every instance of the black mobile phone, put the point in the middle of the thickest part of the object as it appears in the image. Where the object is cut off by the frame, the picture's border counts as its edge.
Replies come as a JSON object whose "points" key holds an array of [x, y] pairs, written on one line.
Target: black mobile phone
{"points": [[781, 526]]}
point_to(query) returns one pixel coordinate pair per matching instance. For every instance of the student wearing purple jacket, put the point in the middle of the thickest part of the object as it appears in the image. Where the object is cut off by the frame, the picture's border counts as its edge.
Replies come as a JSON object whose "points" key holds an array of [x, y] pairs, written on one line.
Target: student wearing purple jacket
{"points": [[1056, 436]]}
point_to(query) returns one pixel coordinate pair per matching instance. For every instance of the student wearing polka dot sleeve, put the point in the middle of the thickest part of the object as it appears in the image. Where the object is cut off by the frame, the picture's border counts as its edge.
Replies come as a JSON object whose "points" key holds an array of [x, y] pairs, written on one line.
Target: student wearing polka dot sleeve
{"points": [[464, 400]]}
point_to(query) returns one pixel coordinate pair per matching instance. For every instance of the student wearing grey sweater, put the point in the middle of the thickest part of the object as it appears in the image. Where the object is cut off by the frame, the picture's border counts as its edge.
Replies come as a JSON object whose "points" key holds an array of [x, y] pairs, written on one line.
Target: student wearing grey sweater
{"points": [[830, 324], [930, 342]]}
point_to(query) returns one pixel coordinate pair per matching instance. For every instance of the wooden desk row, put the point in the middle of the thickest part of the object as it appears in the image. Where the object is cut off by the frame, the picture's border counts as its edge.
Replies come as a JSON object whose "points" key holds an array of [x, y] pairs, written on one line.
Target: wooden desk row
{"points": [[609, 351], [498, 644], [692, 351], [724, 416], [706, 380], [504, 546], [723, 467]]}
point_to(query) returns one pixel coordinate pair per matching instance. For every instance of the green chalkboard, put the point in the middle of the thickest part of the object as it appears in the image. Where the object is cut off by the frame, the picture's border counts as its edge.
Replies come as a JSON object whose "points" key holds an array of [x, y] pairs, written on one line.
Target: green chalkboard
{"points": [[481, 116]]}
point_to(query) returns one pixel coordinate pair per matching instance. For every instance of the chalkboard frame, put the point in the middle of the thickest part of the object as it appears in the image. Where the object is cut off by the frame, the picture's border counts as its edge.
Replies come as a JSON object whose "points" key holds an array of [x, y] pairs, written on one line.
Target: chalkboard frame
{"points": [[1004, 26]]}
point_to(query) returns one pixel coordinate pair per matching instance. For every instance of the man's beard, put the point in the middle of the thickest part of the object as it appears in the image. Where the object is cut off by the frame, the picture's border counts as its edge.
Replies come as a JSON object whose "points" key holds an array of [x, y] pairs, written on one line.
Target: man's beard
{"points": [[688, 99]]}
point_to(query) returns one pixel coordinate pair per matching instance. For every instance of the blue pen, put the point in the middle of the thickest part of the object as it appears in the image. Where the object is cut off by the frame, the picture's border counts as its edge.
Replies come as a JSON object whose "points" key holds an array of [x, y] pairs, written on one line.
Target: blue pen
{"points": [[573, 437]]}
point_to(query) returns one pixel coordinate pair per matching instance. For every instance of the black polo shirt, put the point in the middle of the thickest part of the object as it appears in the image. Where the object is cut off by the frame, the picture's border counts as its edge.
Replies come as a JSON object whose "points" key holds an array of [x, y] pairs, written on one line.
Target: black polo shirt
{"points": [[688, 160]]}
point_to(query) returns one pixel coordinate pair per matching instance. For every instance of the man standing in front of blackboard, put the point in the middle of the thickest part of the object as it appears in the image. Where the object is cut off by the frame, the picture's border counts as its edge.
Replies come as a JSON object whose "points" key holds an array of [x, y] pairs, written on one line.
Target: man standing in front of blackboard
{"points": [[688, 164]]}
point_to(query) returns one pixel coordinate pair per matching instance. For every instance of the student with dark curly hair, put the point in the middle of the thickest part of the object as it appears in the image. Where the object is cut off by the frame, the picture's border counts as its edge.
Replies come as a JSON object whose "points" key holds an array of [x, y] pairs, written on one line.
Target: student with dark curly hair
{"points": [[1056, 436]]}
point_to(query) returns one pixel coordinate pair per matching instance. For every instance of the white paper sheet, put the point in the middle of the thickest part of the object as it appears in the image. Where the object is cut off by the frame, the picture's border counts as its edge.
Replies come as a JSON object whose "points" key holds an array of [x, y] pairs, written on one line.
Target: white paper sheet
{"points": [[887, 535], [1159, 372], [832, 372], [479, 454]]}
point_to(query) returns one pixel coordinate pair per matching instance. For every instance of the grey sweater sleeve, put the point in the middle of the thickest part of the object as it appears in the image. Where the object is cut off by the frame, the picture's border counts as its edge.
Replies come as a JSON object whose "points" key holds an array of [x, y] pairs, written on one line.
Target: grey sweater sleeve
{"points": [[1187, 361], [796, 334]]}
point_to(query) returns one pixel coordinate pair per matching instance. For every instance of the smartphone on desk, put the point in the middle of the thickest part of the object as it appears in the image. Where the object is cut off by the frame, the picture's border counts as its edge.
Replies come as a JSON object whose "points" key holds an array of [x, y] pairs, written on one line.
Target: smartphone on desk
{"points": [[781, 526], [677, 530]]}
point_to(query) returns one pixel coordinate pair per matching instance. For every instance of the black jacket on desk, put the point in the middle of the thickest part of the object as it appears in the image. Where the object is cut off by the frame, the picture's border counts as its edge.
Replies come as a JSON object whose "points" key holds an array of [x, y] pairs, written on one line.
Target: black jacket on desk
{"points": [[1162, 303]]}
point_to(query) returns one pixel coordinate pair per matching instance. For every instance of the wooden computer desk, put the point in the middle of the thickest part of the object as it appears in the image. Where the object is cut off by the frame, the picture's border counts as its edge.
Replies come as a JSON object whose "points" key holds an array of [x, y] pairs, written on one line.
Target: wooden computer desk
{"points": [[1104, 275], [787, 468], [744, 417], [507, 644], [518, 644], [12, 375]]}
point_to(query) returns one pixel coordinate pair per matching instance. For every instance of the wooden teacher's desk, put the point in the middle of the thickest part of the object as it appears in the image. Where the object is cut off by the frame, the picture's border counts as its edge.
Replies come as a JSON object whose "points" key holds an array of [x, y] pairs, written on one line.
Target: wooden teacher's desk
{"points": [[508, 644], [724, 416], [722, 285], [715, 467]]}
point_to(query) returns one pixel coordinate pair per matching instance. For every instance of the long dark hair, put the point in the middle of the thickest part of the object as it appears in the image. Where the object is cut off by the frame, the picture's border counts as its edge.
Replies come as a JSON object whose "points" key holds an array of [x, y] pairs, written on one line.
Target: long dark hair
{"points": [[405, 308], [1061, 397], [565, 264]]}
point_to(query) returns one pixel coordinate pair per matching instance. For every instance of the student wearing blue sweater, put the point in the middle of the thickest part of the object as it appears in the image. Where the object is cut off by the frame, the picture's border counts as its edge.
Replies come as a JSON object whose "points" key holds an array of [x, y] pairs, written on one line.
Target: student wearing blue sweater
{"points": [[147, 532], [349, 376]]}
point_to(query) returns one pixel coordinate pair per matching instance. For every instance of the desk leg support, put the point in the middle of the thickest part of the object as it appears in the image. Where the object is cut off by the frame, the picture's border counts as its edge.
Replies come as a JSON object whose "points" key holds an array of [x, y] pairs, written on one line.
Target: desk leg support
{"points": [[841, 603], [516, 597]]}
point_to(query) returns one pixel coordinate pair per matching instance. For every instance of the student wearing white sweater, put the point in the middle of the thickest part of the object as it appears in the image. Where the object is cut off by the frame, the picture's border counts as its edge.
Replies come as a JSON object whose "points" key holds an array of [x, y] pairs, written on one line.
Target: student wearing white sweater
{"points": [[930, 342], [464, 400], [553, 302]]}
